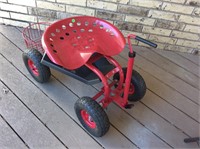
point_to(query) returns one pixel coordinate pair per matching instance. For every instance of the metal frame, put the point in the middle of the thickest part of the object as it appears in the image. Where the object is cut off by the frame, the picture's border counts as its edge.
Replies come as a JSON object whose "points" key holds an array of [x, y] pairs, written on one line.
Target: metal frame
{"points": [[110, 94], [122, 88]]}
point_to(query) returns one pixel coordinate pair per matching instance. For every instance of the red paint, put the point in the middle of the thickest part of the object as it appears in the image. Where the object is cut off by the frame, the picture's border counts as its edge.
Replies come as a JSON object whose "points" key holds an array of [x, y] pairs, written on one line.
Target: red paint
{"points": [[33, 68], [129, 41], [88, 119], [128, 79], [74, 43], [122, 88]]}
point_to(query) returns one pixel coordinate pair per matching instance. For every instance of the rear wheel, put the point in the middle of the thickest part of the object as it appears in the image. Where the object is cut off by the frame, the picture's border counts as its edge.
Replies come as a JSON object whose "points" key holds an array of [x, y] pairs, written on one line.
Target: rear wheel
{"points": [[32, 60], [137, 87], [92, 116]]}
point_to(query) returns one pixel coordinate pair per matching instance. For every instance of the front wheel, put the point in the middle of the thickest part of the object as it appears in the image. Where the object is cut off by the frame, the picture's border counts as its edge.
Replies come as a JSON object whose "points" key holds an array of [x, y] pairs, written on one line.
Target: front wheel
{"points": [[32, 60], [138, 85], [92, 116]]}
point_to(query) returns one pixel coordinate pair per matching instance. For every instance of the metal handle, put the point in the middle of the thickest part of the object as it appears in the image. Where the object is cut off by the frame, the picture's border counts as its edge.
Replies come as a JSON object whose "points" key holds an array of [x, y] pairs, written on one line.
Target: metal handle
{"points": [[146, 41], [139, 39]]}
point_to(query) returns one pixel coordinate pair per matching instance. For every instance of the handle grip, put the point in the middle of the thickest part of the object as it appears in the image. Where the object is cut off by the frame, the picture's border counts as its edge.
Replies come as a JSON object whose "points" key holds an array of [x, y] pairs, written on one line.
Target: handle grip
{"points": [[146, 41]]}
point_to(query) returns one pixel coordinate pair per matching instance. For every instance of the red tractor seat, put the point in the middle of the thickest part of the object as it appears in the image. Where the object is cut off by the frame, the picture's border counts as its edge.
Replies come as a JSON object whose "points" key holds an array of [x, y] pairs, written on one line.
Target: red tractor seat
{"points": [[71, 42]]}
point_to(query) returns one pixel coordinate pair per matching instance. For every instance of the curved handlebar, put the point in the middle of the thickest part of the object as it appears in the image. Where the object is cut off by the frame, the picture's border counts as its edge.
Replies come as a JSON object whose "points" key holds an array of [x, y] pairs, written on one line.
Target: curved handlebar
{"points": [[139, 39], [146, 41]]}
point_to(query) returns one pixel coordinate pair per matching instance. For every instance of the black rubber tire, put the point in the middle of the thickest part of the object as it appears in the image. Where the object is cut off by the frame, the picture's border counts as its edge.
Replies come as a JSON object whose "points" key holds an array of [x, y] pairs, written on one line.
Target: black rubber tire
{"points": [[138, 82], [36, 57], [97, 114]]}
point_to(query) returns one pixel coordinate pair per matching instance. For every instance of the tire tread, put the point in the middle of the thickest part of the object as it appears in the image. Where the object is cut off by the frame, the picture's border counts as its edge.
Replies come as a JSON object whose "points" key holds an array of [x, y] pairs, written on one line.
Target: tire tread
{"points": [[36, 57], [96, 111]]}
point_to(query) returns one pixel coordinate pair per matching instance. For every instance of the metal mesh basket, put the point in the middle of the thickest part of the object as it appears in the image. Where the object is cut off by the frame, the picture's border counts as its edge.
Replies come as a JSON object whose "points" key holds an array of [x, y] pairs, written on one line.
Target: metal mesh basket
{"points": [[32, 35]]}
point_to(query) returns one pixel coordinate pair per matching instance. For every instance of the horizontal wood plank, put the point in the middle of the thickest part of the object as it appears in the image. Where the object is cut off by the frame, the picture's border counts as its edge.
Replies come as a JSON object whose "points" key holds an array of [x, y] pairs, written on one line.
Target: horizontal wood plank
{"points": [[134, 130], [8, 138], [193, 58], [181, 61], [29, 128], [169, 66]]}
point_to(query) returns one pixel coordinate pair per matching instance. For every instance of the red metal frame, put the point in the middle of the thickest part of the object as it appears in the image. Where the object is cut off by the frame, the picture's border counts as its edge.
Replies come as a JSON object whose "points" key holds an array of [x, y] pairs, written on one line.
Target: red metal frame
{"points": [[122, 88]]}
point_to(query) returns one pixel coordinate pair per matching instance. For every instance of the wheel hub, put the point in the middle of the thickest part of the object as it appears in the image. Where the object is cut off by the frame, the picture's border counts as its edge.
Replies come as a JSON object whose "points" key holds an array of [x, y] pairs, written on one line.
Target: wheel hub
{"points": [[131, 89], [33, 68], [88, 119]]}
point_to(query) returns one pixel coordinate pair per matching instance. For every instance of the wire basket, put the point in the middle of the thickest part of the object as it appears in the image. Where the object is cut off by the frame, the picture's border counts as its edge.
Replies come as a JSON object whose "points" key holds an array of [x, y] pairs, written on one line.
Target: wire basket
{"points": [[32, 35]]}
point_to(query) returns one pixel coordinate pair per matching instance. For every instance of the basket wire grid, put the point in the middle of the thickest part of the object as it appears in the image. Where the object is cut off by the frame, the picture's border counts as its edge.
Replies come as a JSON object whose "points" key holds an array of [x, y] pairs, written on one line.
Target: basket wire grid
{"points": [[32, 35]]}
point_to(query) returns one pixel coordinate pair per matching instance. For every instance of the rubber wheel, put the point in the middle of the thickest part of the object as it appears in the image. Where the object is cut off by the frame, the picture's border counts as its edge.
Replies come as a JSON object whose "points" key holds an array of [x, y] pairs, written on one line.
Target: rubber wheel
{"points": [[92, 116], [137, 84], [32, 59]]}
